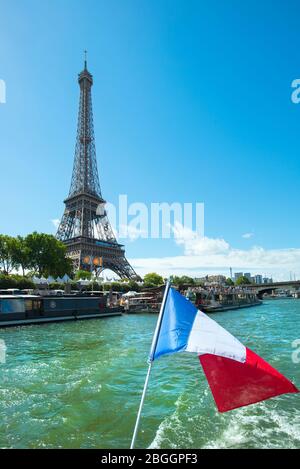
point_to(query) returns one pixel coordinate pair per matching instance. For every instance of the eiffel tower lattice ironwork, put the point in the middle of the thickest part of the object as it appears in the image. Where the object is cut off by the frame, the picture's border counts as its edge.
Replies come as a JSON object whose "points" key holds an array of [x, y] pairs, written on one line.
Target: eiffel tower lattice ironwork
{"points": [[84, 227]]}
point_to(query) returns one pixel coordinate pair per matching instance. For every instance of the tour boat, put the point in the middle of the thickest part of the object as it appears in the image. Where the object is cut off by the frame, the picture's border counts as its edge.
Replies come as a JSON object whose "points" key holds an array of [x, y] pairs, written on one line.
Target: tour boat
{"points": [[140, 303], [19, 310], [217, 302]]}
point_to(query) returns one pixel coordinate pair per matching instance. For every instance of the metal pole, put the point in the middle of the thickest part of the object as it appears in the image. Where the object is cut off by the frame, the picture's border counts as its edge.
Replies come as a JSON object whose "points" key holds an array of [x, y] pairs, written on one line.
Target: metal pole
{"points": [[141, 407], [150, 361]]}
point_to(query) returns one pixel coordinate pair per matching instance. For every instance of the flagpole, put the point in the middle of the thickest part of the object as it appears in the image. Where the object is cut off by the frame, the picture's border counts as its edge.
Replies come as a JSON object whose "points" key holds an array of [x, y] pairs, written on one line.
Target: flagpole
{"points": [[150, 361]]}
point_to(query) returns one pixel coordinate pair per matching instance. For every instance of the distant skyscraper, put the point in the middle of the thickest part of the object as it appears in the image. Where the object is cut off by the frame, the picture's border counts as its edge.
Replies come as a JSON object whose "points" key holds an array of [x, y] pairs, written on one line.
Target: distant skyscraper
{"points": [[267, 280], [237, 275], [258, 279]]}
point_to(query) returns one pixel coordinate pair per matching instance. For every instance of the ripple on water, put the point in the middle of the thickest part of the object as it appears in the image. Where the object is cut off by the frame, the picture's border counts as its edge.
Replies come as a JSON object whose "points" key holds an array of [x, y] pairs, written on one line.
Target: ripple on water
{"points": [[79, 385]]}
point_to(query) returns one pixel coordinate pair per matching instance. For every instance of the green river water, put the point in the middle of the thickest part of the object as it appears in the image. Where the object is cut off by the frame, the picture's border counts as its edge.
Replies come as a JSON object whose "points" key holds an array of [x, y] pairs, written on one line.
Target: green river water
{"points": [[78, 385]]}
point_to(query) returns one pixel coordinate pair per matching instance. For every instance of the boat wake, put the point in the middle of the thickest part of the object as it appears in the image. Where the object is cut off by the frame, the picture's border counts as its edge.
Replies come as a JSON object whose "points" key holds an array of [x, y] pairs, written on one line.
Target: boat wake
{"points": [[265, 425]]}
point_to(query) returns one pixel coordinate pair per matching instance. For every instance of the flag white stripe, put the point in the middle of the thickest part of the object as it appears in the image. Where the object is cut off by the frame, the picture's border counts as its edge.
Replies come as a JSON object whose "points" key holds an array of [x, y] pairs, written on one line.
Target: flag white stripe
{"points": [[207, 336]]}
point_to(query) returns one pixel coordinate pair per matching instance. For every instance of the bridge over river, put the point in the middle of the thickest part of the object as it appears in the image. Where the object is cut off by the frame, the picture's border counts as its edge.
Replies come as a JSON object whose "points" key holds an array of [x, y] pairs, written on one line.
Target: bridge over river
{"points": [[261, 288]]}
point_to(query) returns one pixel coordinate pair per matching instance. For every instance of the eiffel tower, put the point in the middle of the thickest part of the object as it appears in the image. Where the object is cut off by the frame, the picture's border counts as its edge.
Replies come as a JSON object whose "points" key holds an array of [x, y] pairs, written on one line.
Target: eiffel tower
{"points": [[84, 227]]}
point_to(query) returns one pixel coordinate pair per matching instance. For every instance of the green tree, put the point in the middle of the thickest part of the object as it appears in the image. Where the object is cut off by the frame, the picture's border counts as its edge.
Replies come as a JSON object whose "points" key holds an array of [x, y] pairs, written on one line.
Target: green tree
{"points": [[117, 286], [7, 281], [242, 281], [47, 255], [7, 261], [21, 253], [133, 285], [229, 282], [15, 281], [187, 280], [152, 280], [184, 280], [83, 275], [180, 281], [56, 286], [23, 282]]}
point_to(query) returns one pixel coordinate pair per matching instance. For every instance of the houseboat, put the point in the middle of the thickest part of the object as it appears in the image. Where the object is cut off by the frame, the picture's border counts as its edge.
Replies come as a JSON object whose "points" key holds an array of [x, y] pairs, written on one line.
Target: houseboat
{"points": [[140, 303], [224, 301], [19, 310]]}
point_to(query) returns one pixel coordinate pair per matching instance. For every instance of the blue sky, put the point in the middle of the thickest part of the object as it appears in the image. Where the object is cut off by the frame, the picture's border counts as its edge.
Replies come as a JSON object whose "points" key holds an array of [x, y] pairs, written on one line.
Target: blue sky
{"points": [[192, 103]]}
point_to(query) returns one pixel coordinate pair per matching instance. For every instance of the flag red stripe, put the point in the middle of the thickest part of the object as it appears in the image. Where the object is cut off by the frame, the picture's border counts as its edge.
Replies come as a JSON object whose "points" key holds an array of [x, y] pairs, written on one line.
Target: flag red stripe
{"points": [[235, 384]]}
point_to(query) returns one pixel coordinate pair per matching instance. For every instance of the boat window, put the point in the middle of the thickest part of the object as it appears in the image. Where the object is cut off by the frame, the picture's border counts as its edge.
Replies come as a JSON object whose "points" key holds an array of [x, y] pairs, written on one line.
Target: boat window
{"points": [[32, 305], [12, 306]]}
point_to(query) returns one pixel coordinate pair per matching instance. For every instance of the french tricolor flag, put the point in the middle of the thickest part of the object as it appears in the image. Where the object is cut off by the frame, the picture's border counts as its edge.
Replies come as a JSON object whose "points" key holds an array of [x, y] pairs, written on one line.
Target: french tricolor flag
{"points": [[236, 375]]}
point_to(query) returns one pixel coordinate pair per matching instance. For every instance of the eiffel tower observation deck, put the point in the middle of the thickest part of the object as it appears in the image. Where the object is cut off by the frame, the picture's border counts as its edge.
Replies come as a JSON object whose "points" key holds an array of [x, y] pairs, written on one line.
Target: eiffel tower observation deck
{"points": [[84, 227]]}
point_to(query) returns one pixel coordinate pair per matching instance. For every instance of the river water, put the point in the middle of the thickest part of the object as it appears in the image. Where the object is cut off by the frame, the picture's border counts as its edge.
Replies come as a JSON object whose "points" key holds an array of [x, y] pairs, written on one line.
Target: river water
{"points": [[78, 385]]}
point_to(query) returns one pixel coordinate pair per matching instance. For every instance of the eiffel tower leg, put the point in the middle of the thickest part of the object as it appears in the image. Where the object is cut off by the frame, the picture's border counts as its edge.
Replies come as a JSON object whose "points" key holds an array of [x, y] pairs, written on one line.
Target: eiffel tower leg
{"points": [[121, 267]]}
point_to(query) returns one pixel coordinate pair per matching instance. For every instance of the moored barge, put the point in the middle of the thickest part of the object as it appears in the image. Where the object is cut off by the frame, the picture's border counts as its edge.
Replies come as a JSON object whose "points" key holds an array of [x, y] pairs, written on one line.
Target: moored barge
{"points": [[217, 302], [20, 310]]}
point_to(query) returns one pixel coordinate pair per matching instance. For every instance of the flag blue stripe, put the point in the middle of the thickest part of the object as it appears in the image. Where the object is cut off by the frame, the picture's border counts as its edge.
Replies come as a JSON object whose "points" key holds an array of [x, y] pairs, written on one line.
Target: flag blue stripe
{"points": [[178, 318]]}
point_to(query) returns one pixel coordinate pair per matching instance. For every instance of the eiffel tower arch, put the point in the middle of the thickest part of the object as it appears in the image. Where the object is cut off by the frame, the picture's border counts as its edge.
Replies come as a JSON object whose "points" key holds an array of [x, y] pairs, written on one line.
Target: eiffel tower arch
{"points": [[84, 227]]}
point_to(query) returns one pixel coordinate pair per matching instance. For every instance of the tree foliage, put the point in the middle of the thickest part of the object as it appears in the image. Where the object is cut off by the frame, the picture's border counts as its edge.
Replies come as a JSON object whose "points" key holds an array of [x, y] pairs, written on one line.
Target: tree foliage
{"points": [[83, 275], [15, 281], [41, 253], [183, 280], [21, 253], [243, 281], [47, 255], [133, 285], [153, 280], [7, 260], [229, 282]]}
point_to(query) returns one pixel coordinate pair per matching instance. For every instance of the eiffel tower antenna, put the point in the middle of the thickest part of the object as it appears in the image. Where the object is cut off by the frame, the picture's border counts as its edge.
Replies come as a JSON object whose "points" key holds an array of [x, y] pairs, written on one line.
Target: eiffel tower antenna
{"points": [[84, 227]]}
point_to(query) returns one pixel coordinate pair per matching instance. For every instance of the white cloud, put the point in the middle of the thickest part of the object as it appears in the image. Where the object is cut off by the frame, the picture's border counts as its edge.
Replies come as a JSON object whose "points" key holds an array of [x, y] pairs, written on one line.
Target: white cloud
{"points": [[202, 255], [248, 235], [196, 245], [55, 222]]}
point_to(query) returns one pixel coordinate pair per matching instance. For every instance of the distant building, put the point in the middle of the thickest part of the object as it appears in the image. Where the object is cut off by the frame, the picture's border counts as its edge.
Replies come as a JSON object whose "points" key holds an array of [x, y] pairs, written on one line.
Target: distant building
{"points": [[258, 279], [267, 280], [248, 276], [217, 279], [237, 275], [213, 279]]}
